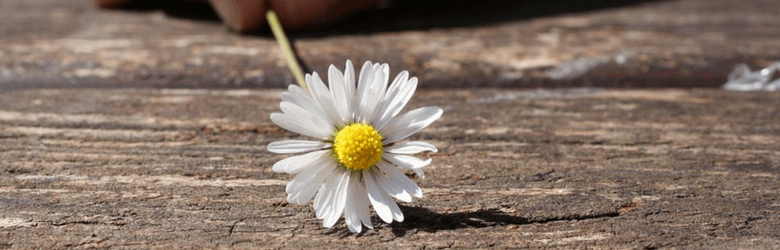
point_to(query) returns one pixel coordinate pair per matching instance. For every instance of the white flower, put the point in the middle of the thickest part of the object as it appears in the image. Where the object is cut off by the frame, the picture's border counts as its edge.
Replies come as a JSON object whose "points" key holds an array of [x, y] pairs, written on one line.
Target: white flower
{"points": [[353, 160]]}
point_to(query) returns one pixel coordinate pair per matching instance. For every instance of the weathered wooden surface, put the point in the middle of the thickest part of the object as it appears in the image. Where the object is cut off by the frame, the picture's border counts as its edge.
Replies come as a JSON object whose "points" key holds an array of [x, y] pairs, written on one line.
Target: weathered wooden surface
{"points": [[575, 168], [461, 43]]}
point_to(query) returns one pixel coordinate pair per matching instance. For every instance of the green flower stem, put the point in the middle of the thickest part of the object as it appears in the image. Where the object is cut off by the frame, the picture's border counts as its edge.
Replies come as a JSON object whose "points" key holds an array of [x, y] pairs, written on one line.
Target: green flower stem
{"points": [[276, 28]]}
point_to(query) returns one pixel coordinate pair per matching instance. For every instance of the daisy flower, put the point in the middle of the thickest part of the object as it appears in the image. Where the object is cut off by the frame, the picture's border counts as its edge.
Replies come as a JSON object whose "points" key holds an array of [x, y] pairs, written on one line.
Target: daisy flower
{"points": [[354, 158]]}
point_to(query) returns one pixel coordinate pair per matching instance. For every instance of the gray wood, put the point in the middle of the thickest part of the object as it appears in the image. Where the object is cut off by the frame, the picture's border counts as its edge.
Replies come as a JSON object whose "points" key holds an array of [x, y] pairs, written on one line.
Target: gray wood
{"points": [[461, 43], [575, 168]]}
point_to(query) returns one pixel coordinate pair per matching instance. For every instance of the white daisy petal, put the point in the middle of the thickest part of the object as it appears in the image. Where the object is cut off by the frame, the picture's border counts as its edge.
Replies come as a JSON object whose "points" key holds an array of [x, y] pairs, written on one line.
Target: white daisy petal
{"points": [[395, 211], [338, 91], [372, 94], [419, 172], [411, 147], [280, 166], [365, 79], [300, 125], [392, 187], [397, 214], [295, 146], [351, 219], [310, 188], [384, 69], [306, 161], [375, 93], [299, 97], [395, 105], [349, 80], [301, 179], [407, 124], [390, 94], [406, 161], [378, 199], [302, 115], [399, 179], [322, 202], [351, 214], [322, 95], [295, 164], [303, 187], [398, 83], [339, 201], [361, 202]]}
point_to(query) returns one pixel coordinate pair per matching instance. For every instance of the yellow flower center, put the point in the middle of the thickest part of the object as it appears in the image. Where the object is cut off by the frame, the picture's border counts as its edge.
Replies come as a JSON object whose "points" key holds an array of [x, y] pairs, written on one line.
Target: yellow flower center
{"points": [[358, 146]]}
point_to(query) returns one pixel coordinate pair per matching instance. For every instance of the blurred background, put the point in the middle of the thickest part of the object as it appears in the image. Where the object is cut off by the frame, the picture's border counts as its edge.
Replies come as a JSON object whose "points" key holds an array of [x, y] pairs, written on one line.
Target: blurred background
{"points": [[460, 43]]}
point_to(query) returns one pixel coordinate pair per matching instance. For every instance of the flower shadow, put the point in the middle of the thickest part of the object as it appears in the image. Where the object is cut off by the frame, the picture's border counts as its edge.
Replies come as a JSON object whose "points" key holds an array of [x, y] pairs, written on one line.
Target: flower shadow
{"points": [[423, 219], [417, 218]]}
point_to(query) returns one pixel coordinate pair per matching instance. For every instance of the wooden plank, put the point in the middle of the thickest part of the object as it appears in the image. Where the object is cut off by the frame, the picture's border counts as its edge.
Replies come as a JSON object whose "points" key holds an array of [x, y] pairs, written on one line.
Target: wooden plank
{"points": [[531, 43], [568, 168]]}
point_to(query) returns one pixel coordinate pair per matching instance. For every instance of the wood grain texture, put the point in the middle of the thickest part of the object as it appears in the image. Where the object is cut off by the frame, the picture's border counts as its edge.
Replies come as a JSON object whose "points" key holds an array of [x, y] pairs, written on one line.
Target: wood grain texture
{"points": [[455, 43], [571, 168]]}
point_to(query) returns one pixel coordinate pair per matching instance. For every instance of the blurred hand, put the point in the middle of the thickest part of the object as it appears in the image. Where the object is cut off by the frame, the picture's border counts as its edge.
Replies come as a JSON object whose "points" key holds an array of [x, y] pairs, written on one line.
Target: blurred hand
{"points": [[249, 15]]}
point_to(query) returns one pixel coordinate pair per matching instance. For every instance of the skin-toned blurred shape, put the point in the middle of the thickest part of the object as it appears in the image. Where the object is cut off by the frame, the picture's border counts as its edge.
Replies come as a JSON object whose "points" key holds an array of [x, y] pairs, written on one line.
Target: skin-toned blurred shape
{"points": [[303, 13], [249, 15], [111, 4], [117, 4], [241, 15]]}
